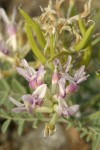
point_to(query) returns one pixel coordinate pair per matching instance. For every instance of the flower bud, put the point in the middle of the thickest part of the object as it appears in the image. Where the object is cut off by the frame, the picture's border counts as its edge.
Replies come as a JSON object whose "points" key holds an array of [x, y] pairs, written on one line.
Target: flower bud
{"points": [[72, 88], [55, 76]]}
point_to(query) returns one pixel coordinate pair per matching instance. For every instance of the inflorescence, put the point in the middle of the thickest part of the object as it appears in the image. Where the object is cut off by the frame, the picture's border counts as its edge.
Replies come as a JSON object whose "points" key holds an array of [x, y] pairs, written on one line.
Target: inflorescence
{"points": [[50, 99]]}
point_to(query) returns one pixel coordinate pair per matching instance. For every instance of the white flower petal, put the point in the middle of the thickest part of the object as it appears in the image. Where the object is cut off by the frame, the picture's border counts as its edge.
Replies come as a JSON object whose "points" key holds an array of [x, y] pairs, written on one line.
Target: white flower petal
{"points": [[82, 79], [68, 64], [24, 63], [23, 72], [73, 109], [18, 109], [40, 91], [4, 16], [81, 70], [17, 103], [61, 83], [28, 98]]}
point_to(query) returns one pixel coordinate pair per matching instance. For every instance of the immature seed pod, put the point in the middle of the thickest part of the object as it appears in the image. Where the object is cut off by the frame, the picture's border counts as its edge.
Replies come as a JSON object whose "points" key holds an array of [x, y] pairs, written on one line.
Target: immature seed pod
{"points": [[83, 43]]}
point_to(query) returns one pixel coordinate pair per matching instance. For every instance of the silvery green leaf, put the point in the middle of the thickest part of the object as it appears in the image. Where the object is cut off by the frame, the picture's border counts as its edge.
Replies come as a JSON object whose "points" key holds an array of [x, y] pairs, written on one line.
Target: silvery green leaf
{"points": [[3, 97], [38, 53], [35, 26], [20, 127], [35, 124], [5, 125]]}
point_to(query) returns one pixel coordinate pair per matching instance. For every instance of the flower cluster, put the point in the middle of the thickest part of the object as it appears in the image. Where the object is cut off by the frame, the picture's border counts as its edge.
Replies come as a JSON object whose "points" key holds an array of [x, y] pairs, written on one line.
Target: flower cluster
{"points": [[50, 99]]}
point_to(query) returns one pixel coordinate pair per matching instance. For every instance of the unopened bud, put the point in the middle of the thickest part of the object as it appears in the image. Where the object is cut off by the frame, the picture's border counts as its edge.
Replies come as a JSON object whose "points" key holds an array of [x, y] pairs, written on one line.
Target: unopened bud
{"points": [[72, 88], [55, 76]]}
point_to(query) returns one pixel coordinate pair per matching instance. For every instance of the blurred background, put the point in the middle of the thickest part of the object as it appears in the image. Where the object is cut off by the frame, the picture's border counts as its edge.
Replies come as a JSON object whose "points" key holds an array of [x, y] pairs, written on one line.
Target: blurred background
{"points": [[32, 139]]}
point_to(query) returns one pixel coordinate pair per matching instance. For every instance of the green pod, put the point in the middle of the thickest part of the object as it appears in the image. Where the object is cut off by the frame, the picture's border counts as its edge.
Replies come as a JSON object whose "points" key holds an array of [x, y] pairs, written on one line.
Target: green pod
{"points": [[35, 26], [83, 43], [82, 26], [88, 52], [33, 44], [87, 55]]}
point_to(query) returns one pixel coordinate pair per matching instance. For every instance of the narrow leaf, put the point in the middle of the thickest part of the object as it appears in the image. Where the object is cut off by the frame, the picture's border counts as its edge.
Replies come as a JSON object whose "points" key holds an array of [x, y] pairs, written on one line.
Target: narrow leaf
{"points": [[33, 44], [35, 124], [5, 125], [4, 85], [20, 127], [83, 134], [40, 116], [94, 115], [88, 138], [3, 97], [39, 34], [3, 113], [35, 26], [95, 143], [83, 43]]}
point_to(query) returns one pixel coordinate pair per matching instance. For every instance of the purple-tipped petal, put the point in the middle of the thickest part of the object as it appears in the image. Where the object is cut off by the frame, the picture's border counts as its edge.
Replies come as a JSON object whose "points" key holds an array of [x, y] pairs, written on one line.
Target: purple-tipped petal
{"points": [[23, 73], [73, 109], [61, 84], [28, 98], [80, 75], [17, 103], [41, 71], [40, 75], [55, 76], [62, 107], [19, 109], [29, 69]]}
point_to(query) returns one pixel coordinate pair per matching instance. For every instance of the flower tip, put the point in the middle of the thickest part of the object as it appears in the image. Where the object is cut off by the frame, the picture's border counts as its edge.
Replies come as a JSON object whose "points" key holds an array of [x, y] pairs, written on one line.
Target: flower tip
{"points": [[24, 62]]}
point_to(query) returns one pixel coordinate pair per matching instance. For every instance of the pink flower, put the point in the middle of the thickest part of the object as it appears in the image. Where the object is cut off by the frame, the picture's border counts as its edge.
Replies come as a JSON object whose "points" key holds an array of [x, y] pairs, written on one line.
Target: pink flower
{"points": [[58, 79], [30, 101], [64, 110], [79, 77], [35, 78]]}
